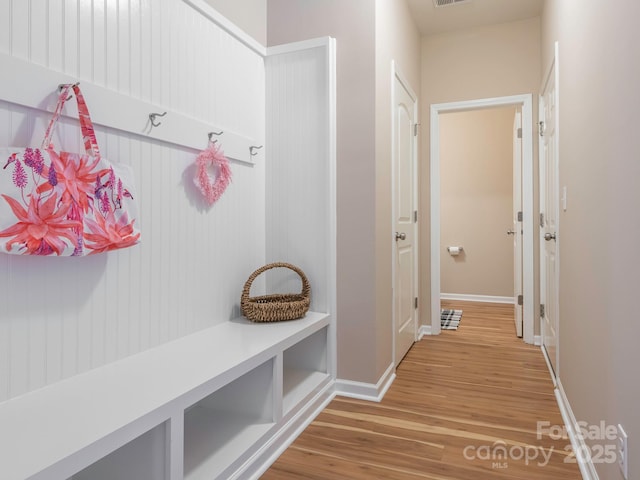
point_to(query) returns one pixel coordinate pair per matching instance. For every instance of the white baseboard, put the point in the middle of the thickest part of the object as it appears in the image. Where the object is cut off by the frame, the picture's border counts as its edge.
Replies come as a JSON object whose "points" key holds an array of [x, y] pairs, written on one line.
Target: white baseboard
{"points": [[475, 298], [424, 330], [587, 468], [537, 340], [260, 462], [367, 391], [546, 359]]}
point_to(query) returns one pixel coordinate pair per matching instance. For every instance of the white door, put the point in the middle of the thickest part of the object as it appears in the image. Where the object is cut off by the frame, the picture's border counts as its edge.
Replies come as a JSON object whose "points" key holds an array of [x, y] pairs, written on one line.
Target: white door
{"points": [[549, 218], [516, 228], [404, 216]]}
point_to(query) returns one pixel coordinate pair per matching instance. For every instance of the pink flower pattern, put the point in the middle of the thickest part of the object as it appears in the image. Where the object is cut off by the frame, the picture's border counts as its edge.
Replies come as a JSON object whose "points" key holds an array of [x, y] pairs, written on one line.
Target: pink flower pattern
{"points": [[72, 203], [41, 228], [55, 201]]}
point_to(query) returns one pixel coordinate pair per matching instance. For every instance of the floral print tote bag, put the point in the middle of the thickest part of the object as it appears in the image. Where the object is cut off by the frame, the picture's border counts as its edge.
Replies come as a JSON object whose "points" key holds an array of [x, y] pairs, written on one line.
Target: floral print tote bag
{"points": [[62, 203]]}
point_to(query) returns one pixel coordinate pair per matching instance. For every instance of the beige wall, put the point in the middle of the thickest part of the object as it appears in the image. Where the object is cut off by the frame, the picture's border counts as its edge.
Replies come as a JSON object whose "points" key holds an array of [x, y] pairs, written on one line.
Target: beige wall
{"points": [[249, 15], [476, 201], [484, 62], [599, 161], [352, 23], [368, 34]]}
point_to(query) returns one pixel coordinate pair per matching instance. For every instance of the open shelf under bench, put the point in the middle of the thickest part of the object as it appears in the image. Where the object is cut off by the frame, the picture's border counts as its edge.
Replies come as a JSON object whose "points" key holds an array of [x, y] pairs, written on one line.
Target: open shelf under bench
{"points": [[105, 409]]}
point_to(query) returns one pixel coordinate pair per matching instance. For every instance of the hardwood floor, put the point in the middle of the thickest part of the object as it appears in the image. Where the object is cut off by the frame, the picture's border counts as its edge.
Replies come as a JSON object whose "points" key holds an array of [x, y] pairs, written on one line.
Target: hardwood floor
{"points": [[464, 406]]}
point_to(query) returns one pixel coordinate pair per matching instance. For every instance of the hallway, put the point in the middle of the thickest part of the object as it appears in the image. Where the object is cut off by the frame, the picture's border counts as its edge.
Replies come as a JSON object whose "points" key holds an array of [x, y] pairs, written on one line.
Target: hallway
{"points": [[460, 400]]}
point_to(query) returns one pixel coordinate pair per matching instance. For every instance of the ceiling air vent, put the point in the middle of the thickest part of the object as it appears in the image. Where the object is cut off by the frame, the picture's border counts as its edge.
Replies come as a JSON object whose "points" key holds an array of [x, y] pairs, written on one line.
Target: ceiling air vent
{"points": [[446, 3]]}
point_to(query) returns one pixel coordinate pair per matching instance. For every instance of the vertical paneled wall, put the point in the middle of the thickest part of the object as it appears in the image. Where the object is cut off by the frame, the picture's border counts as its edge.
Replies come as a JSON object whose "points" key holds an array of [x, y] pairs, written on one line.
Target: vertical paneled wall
{"points": [[62, 316], [299, 173]]}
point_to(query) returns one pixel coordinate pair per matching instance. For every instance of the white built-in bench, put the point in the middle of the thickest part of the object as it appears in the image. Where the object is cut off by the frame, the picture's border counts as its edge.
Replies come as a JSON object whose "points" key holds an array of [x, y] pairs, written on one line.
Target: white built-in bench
{"points": [[214, 404]]}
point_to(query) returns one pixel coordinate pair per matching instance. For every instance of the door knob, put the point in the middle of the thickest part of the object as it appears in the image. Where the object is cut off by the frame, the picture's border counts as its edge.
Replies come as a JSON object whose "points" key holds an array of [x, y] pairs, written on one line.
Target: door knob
{"points": [[549, 236], [511, 232], [400, 236]]}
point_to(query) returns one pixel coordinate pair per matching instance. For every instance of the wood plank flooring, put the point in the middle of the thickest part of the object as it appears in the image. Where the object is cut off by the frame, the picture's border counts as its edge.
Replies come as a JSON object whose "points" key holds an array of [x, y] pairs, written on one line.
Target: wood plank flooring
{"points": [[464, 406]]}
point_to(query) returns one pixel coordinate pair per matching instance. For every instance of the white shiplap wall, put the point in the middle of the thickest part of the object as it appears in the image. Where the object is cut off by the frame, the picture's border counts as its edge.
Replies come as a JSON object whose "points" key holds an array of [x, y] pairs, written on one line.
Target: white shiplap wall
{"points": [[300, 167], [63, 316]]}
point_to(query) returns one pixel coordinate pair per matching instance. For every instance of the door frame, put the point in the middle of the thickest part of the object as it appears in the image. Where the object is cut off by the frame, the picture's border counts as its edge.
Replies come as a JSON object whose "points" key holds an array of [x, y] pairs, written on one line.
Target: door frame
{"points": [[515, 225], [524, 101], [552, 69], [396, 74]]}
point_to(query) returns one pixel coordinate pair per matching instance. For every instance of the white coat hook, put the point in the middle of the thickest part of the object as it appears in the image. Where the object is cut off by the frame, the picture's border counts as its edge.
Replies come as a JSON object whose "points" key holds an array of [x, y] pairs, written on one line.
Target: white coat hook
{"points": [[211, 134], [253, 148], [152, 118]]}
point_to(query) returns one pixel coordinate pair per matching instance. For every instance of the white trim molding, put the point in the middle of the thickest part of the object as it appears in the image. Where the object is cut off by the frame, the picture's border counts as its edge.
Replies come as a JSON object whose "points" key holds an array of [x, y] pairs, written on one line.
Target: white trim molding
{"points": [[545, 355], [367, 391], [318, 42], [526, 102], [269, 453], [585, 463], [463, 297], [423, 331], [227, 25]]}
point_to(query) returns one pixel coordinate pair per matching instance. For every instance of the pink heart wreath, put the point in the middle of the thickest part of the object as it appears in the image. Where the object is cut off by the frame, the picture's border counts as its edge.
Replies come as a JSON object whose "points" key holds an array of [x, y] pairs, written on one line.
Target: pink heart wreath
{"points": [[212, 156]]}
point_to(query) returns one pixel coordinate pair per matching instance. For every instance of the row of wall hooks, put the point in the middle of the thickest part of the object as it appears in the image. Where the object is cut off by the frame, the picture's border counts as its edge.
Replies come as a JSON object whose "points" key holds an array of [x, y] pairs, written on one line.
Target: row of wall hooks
{"points": [[252, 148], [153, 119], [122, 112]]}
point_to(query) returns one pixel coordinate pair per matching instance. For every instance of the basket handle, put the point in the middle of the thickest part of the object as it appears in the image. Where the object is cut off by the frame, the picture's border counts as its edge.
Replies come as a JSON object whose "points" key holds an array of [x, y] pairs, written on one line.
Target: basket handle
{"points": [[306, 288]]}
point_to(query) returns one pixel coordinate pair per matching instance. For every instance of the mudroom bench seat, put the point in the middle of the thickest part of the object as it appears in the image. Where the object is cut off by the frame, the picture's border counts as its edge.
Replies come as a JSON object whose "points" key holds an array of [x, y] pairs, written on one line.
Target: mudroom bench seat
{"points": [[219, 403]]}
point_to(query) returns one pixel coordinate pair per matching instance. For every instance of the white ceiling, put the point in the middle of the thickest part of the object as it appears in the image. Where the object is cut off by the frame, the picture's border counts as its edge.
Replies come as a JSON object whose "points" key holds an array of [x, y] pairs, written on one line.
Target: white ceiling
{"points": [[475, 13]]}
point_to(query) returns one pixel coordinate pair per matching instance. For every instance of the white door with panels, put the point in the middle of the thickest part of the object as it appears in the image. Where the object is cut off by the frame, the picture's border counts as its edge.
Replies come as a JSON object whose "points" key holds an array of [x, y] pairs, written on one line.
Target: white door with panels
{"points": [[516, 228], [404, 216], [549, 207]]}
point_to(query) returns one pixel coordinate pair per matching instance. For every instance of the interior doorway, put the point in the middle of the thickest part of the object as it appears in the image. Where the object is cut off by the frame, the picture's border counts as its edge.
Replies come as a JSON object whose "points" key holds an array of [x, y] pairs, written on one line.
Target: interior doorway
{"points": [[477, 192], [523, 104]]}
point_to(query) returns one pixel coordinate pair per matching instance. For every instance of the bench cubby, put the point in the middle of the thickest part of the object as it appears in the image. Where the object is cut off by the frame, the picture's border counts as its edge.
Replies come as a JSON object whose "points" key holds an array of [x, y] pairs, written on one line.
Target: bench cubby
{"points": [[304, 369], [222, 426], [143, 458]]}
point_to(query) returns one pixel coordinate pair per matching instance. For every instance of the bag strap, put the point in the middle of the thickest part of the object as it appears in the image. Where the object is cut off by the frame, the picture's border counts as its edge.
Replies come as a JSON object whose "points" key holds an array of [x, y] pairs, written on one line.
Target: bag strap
{"points": [[86, 125], [62, 98]]}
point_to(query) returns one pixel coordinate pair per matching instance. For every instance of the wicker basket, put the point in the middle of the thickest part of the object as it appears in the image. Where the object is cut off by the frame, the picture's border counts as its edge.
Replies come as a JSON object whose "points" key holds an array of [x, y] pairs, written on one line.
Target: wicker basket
{"points": [[279, 306]]}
